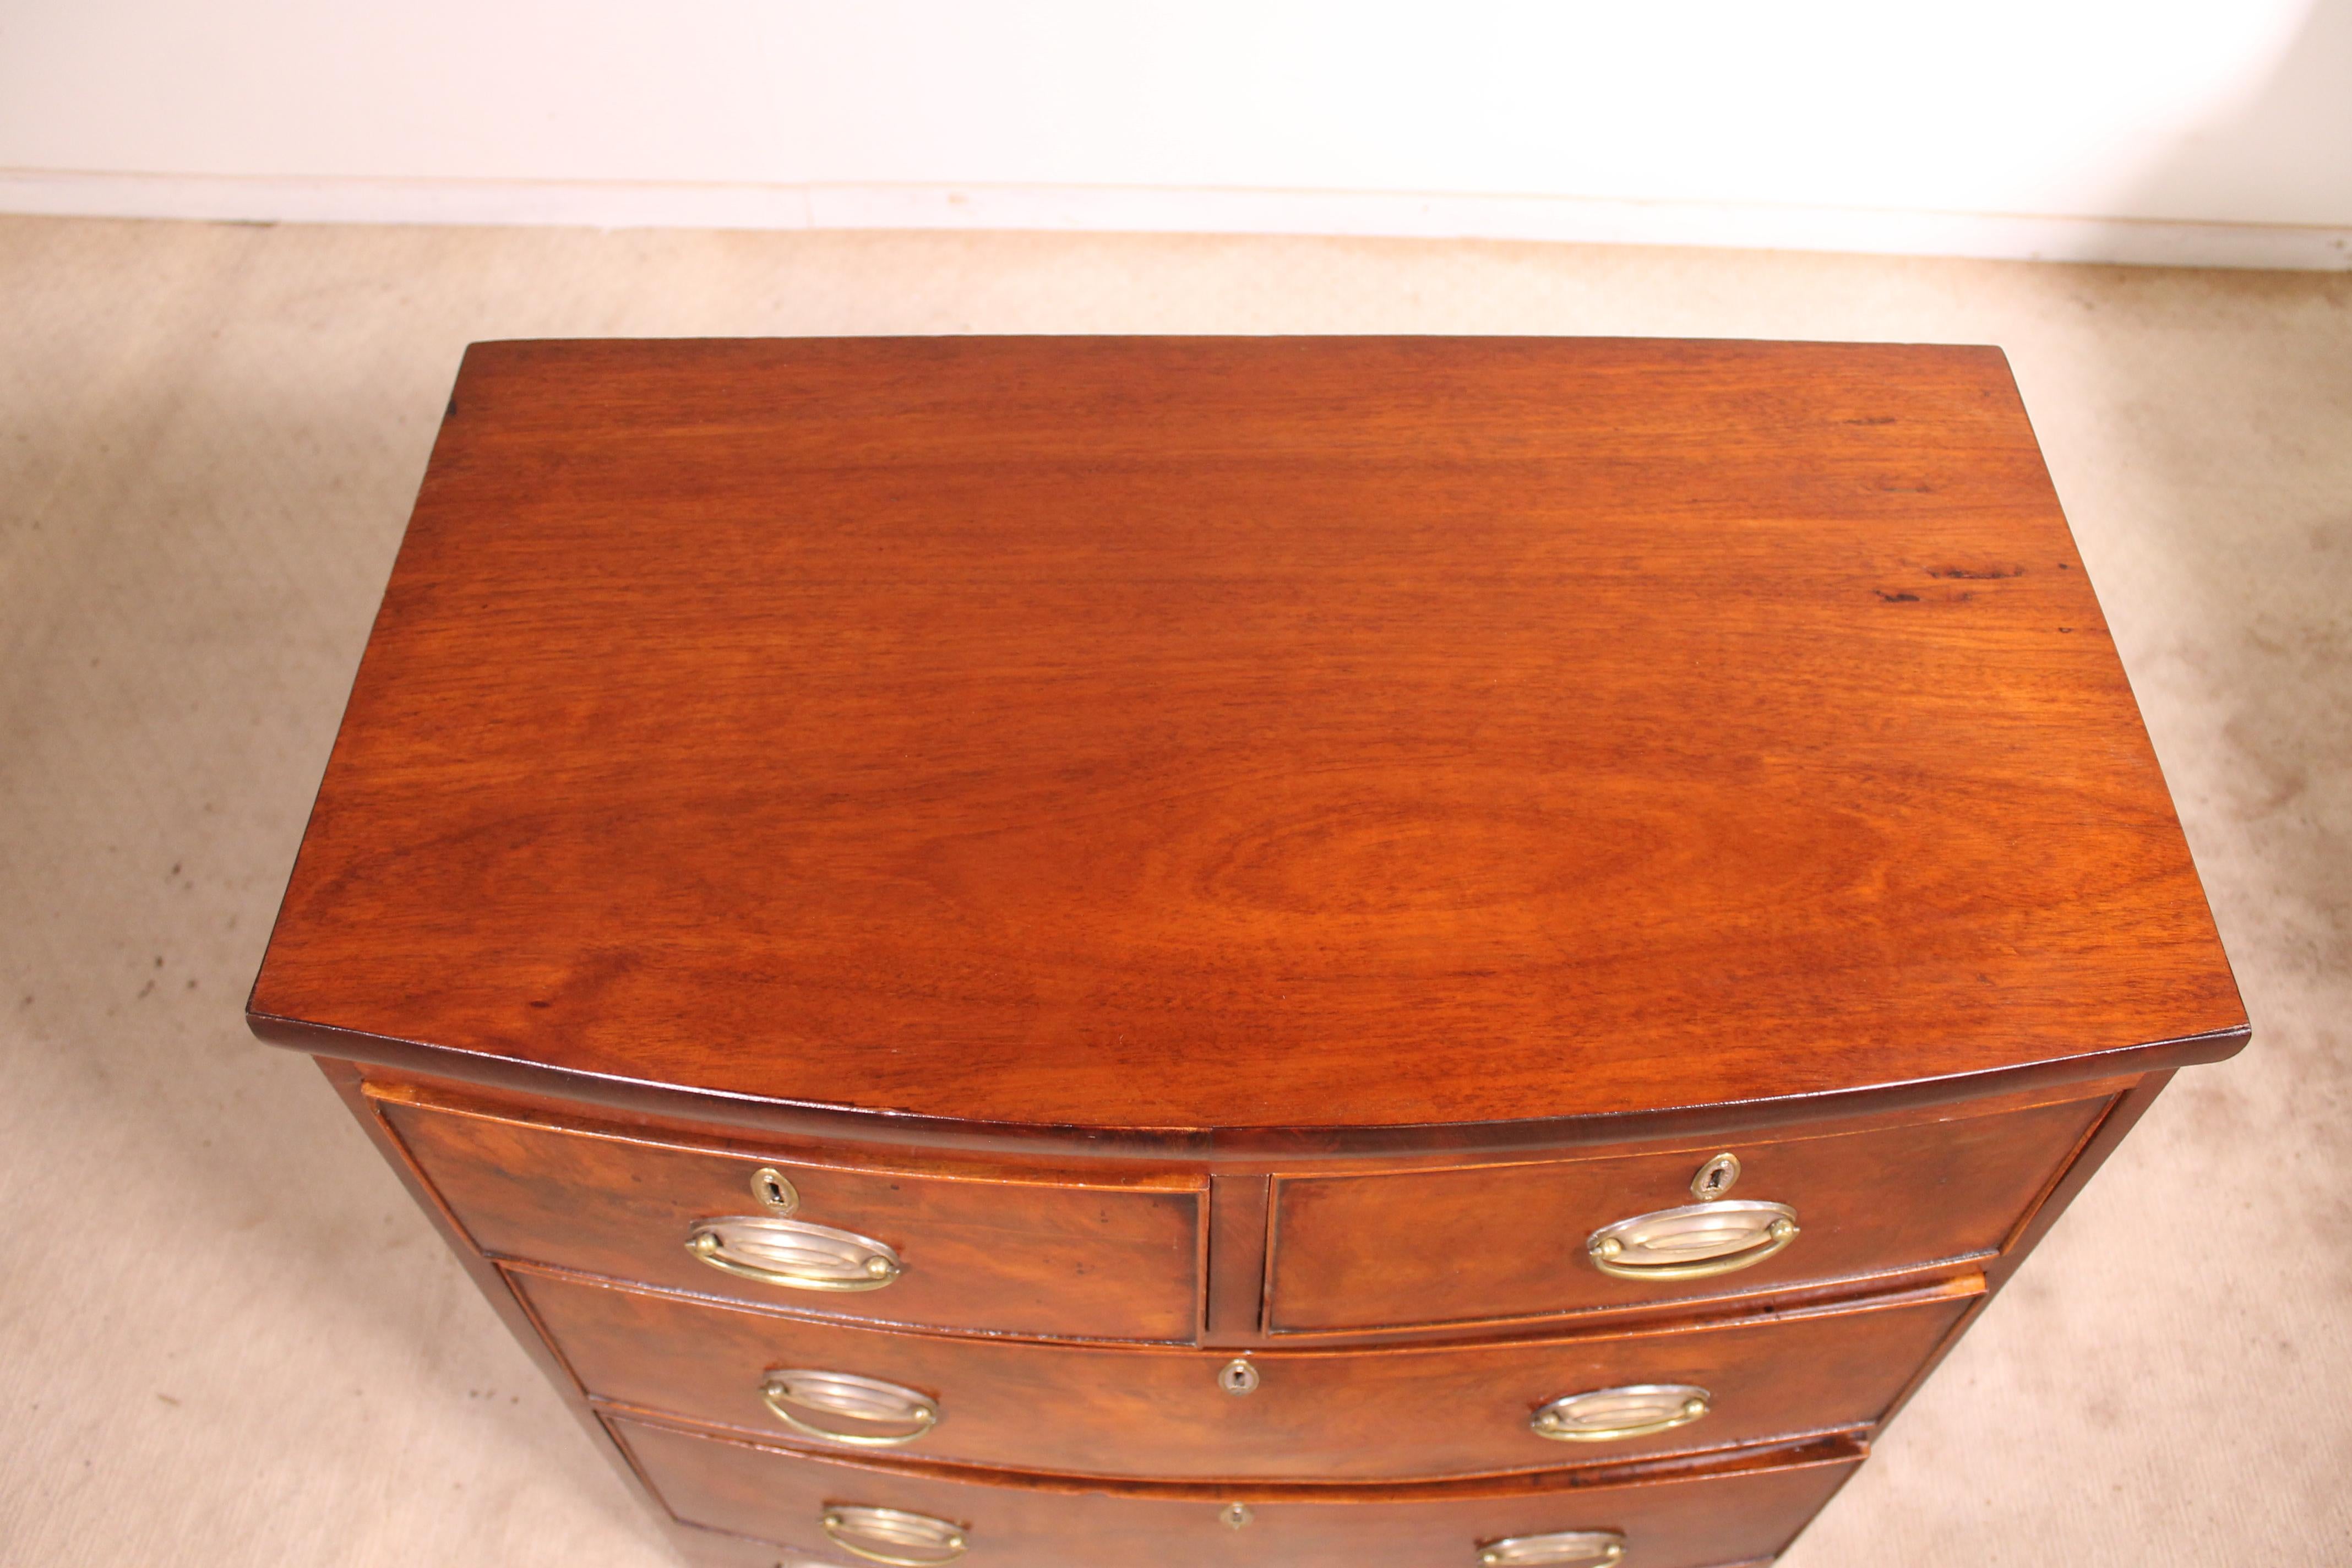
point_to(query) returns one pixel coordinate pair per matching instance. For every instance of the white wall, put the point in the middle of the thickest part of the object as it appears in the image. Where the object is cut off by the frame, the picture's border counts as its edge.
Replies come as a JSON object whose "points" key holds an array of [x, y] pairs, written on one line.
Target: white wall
{"points": [[2218, 132]]}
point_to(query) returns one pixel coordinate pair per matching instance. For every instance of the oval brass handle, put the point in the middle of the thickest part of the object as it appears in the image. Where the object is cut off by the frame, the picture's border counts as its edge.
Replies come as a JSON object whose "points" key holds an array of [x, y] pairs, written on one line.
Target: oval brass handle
{"points": [[1581, 1547], [850, 1398], [1611, 1415], [934, 1540], [1693, 1241], [793, 1253]]}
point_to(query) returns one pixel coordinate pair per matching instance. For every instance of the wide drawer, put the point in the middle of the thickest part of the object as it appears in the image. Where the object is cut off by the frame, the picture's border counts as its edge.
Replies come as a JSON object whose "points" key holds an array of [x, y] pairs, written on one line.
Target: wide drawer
{"points": [[1056, 1257], [1493, 1243], [1736, 1512], [1396, 1412]]}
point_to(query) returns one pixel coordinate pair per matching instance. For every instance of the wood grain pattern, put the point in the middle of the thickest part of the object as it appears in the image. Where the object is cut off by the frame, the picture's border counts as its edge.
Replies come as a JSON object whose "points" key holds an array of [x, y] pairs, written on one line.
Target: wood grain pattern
{"points": [[1212, 733], [1499, 1242], [1049, 1257], [1376, 1415], [1671, 1519]]}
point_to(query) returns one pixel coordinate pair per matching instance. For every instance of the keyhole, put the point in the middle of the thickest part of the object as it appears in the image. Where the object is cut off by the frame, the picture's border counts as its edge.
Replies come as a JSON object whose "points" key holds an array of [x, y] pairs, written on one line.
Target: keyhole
{"points": [[1715, 1177], [1237, 1376], [774, 1193]]}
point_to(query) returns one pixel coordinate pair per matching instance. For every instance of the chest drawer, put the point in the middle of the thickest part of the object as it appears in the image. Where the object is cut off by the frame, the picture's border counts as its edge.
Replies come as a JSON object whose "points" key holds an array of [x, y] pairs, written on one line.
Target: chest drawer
{"points": [[1051, 1258], [1527, 1241], [1372, 1414], [1735, 1514]]}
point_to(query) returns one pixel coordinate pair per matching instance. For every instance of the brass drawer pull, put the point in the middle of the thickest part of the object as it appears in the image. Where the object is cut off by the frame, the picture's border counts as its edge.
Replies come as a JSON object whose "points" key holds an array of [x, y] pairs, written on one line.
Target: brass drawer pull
{"points": [[793, 1253], [934, 1540], [849, 1398], [1693, 1241], [1611, 1415], [1582, 1548]]}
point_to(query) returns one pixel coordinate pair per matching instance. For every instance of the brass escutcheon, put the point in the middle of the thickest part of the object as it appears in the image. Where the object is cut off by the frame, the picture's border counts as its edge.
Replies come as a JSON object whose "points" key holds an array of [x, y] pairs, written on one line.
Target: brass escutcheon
{"points": [[775, 1191], [1715, 1178]]}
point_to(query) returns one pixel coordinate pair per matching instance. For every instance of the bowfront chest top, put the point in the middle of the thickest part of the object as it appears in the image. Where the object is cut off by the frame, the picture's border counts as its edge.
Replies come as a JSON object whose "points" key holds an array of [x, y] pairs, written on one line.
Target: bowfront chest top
{"points": [[1367, 951]]}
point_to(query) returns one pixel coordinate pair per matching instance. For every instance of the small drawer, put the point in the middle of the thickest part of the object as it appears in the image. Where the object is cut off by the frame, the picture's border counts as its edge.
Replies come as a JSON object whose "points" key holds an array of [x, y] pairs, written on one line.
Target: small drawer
{"points": [[1406, 1412], [1613, 1231], [1056, 1256], [1742, 1510]]}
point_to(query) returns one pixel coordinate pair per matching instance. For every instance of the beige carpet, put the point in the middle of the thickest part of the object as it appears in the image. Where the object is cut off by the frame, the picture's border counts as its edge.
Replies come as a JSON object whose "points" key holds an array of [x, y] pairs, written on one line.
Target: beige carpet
{"points": [[226, 1338]]}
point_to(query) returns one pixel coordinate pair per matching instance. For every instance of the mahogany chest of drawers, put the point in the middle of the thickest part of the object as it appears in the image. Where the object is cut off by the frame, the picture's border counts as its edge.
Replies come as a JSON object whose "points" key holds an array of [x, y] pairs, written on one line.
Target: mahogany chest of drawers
{"points": [[1384, 953]]}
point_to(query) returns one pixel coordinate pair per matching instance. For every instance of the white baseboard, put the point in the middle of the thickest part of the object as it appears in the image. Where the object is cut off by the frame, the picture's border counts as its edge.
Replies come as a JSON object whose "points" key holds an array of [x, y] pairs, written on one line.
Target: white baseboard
{"points": [[1140, 209]]}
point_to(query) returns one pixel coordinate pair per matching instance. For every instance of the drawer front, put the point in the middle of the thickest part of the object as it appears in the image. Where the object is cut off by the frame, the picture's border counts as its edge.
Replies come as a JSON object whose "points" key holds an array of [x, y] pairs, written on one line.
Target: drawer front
{"points": [[1402, 1413], [1503, 1242], [1690, 1520], [1035, 1257]]}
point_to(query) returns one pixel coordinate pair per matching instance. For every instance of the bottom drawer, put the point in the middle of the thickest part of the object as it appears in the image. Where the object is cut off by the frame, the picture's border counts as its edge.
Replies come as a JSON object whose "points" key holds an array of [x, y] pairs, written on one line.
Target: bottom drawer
{"points": [[1734, 1510]]}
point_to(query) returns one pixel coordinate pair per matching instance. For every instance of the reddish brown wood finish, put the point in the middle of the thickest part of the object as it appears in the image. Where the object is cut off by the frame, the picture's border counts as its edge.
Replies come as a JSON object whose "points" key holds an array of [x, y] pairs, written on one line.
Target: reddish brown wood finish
{"points": [[1238, 1213], [1749, 1509], [1287, 735], [1052, 1258], [1215, 845], [1498, 1242], [1365, 1415]]}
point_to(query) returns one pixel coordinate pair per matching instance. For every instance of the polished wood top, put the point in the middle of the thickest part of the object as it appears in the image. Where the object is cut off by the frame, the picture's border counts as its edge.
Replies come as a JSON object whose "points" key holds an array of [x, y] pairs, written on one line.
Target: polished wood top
{"points": [[1199, 734]]}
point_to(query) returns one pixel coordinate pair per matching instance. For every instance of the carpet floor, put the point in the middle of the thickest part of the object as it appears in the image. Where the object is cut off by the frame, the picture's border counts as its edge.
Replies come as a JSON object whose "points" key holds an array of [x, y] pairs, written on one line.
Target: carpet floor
{"points": [[228, 1338]]}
